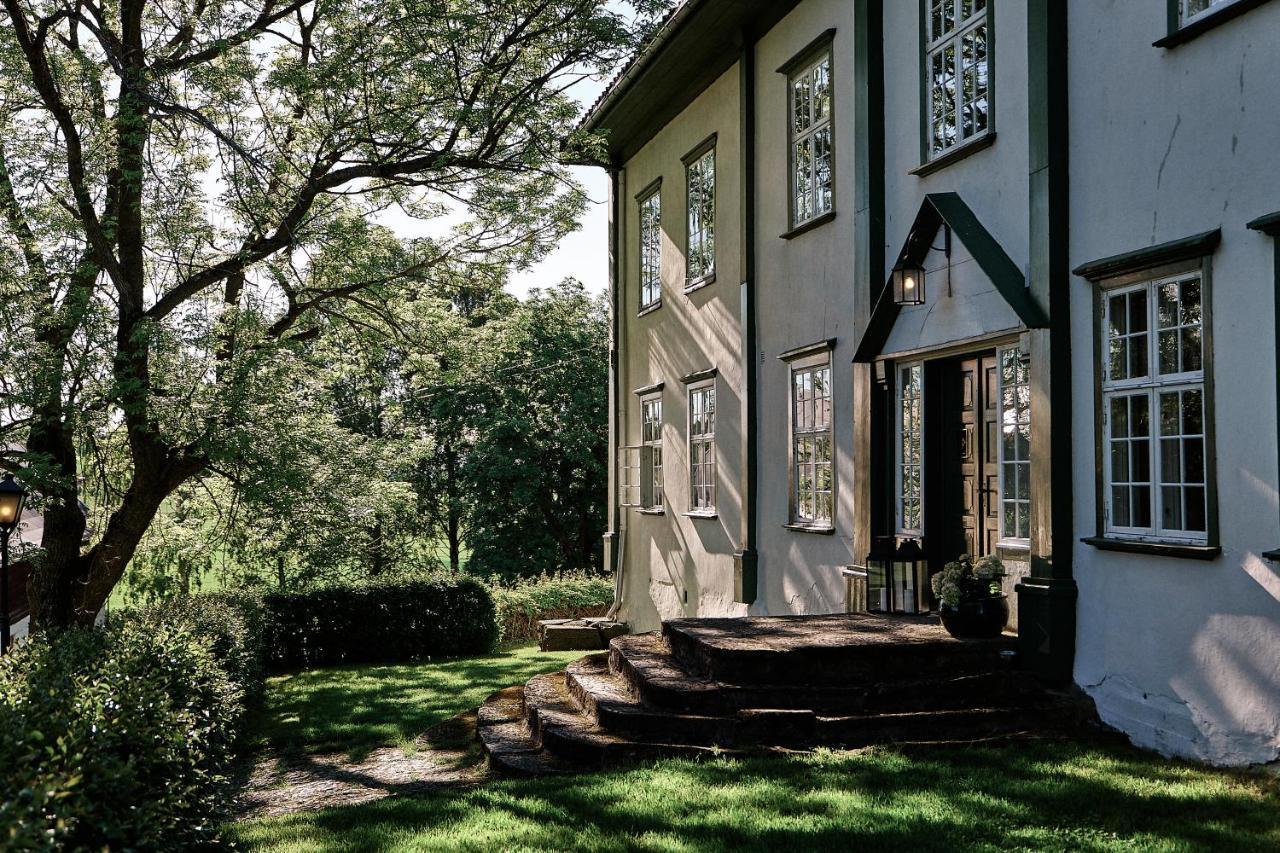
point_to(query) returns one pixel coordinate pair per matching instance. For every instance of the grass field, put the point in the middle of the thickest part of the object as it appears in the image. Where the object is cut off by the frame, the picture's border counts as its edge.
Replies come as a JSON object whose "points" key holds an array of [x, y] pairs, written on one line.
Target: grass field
{"points": [[1037, 796]]}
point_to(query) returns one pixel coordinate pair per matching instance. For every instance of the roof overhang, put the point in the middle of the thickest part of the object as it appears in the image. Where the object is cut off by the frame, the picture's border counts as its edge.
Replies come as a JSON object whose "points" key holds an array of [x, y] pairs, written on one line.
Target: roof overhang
{"points": [[949, 209], [697, 43]]}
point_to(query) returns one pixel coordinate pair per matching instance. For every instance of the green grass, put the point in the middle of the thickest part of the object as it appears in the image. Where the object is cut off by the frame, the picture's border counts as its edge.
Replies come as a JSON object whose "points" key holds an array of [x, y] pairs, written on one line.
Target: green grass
{"points": [[360, 708], [1044, 796]]}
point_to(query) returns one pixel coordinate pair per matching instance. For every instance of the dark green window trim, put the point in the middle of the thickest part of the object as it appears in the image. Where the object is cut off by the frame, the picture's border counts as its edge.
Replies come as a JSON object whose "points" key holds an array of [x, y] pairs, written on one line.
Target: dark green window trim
{"points": [[926, 104], [806, 227], [955, 155], [1185, 552], [1138, 260], [809, 52], [649, 389], [700, 375], [824, 43], [1181, 35], [808, 349]]}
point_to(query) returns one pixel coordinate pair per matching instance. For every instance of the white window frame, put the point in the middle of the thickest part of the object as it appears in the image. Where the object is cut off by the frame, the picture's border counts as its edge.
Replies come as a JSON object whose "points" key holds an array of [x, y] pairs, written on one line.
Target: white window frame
{"points": [[705, 439], [799, 137], [801, 427], [900, 464], [700, 219], [1006, 423], [1185, 18], [934, 45], [1151, 386], [650, 257], [657, 491]]}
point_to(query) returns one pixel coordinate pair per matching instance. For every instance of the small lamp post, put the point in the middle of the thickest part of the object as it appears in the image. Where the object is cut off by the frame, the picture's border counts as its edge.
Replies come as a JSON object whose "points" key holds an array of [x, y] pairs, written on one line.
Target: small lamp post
{"points": [[908, 284], [12, 498]]}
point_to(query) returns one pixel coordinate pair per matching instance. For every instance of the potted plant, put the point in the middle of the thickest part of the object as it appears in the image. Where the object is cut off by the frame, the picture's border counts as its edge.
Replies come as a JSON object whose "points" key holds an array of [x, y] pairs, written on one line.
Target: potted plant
{"points": [[971, 601]]}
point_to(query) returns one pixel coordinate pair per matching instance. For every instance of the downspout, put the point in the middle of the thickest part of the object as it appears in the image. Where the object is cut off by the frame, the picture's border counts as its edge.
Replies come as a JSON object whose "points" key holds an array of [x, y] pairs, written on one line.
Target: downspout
{"points": [[615, 537], [746, 560]]}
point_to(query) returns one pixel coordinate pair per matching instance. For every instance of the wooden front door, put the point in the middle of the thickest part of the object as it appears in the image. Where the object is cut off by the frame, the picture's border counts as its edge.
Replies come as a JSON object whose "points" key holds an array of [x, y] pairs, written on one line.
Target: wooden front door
{"points": [[966, 463]]}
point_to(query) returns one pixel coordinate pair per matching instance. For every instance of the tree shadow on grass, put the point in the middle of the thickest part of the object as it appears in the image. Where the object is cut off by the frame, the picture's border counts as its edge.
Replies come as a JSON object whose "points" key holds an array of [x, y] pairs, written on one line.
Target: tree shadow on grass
{"points": [[1044, 795]]}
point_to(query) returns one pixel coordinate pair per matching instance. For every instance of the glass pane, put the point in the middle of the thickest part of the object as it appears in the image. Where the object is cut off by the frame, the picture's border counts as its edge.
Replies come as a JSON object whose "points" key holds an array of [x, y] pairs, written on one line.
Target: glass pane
{"points": [[1195, 509], [1140, 421], [1192, 358], [1120, 506], [1193, 460], [1190, 303], [800, 104], [1170, 460], [1119, 318], [822, 91], [1138, 311], [1138, 356], [1167, 304], [1167, 347], [1171, 508], [1141, 506], [1120, 417], [1192, 412], [1140, 461], [1120, 461], [1169, 415]]}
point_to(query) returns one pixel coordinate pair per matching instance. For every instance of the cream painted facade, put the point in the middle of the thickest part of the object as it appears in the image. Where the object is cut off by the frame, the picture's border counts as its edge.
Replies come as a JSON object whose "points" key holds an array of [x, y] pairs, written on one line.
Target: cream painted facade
{"points": [[1101, 153]]}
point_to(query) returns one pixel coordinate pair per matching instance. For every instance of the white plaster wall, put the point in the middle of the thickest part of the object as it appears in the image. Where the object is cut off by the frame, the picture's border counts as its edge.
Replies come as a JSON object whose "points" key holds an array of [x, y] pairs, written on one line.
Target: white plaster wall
{"points": [[807, 291], [1182, 655], [674, 565]]}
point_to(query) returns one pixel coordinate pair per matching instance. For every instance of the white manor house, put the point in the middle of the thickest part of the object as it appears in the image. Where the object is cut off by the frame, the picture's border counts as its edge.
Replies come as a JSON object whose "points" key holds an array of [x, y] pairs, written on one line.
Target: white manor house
{"points": [[896, 281]]}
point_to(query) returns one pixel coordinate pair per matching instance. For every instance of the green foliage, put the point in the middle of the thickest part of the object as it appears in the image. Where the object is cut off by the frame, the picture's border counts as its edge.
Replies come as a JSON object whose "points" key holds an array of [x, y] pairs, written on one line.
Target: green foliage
{"points": [[379, 621], [522, 602], [120, 737], [964, 580]]}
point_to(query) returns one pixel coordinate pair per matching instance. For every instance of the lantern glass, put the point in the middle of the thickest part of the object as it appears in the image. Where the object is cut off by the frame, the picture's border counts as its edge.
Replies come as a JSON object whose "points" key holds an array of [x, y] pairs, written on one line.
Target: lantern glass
{"points": [[12, 497], [908, 284]]}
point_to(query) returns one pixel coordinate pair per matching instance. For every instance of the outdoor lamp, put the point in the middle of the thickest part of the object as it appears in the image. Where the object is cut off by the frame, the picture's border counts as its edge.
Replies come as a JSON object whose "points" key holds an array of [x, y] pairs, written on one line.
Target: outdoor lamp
{"points": [[908, 284], [12, 497]]}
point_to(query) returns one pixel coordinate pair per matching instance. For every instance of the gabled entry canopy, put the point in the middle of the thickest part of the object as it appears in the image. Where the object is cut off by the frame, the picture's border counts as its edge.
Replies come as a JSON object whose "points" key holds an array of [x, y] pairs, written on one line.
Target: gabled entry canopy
{"points": [[949, 210]]}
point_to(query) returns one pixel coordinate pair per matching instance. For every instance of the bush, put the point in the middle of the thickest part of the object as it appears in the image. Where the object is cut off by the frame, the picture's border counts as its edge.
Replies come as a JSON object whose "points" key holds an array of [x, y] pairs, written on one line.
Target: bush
{"points": [[521, 604], [120, 737], [379, 622]]}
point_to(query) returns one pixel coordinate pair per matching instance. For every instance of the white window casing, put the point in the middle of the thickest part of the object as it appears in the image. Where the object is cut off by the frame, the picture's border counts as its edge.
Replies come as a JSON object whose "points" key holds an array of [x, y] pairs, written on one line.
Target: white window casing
{"points": [[651, 438], [1015, 447], [702, 448], [812, 445]]}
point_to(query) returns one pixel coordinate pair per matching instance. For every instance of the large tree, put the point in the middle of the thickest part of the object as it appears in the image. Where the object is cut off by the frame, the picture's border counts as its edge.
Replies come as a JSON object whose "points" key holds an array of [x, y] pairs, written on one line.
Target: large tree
{"points": [[186, 191]]}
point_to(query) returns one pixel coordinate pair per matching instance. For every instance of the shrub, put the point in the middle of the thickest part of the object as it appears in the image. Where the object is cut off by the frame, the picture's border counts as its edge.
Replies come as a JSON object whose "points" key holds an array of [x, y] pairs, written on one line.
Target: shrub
{"points": [[379, 622], [521, 604], [118, 737]]}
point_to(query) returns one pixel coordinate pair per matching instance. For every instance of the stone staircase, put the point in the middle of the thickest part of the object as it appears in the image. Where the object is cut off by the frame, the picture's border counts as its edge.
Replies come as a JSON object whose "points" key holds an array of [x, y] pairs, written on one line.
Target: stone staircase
{"points": [[717, 686]]}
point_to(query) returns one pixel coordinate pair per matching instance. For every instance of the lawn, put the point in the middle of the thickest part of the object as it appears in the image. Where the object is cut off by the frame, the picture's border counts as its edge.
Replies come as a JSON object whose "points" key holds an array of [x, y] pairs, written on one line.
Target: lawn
{"points": [[1044, 796], [360, 708], [1035, 796]]}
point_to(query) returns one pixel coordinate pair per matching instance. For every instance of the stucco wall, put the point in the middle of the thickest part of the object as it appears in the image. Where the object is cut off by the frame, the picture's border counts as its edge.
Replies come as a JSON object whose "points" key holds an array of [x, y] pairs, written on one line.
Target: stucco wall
{"points": [[1183, 655], [807, 291], [675, 565]]}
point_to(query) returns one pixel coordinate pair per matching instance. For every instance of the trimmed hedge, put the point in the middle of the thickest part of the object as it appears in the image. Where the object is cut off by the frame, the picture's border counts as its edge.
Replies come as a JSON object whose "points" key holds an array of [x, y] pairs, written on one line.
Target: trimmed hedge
{"points": [[120, 737], [521, 604], [379, 622]]}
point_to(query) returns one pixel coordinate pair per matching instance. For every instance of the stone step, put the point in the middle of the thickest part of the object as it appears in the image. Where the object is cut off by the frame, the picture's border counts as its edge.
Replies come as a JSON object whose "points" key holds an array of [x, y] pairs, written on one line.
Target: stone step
{"points": [[832, 651], [567, 635], [656, 677]]}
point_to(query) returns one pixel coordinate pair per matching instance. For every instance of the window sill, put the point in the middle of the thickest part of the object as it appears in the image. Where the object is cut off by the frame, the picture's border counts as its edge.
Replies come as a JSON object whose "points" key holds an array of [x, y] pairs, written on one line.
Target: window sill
{"points": [[819, 529], [703, 515], [1155, 549], [699, 283], [955, 155], [1206, 23], [805, 227], [1272, 555], [652, 511], [649, 309]]}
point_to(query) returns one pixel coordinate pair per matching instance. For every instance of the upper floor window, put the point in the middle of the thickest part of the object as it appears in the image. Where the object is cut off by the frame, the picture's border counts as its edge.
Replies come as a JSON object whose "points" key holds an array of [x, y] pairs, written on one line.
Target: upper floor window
{"points": [[812, 142], [958, 71], [812, 499], [700, 258], [702, 448], [651, 249], [651, 437], [1192, 10], [1153, 411], [910, 450]]}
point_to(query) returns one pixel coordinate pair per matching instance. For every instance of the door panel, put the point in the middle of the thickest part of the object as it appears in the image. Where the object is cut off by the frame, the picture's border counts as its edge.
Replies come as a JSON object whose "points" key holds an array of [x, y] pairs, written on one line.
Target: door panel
{"points": [[990, 461]]}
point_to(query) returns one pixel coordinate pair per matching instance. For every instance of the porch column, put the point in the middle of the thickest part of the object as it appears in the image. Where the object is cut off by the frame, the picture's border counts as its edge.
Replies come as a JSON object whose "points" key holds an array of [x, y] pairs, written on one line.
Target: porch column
{"points": [[1047, 597]]}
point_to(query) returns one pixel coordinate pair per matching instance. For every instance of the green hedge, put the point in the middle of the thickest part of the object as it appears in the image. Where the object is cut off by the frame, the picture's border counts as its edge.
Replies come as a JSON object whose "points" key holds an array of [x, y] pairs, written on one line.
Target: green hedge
{"points": [[120, 737], [521, 604], [379, 622]]}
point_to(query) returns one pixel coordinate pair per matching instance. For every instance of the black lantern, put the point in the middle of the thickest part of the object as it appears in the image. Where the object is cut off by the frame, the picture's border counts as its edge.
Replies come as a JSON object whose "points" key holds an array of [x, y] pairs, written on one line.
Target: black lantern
{"points": [[12, 498], [897, 576], [908, 284]]}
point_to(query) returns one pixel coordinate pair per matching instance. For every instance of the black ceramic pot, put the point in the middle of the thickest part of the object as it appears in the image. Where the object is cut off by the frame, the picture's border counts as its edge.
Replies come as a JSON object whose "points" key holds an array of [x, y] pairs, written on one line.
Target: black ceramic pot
{"points": [[975, 619]]}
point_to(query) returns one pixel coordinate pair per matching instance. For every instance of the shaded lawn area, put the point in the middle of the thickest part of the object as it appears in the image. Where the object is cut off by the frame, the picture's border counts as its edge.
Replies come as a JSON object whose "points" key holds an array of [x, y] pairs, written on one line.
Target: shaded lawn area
{"points": [[357, 709], [1037, 796]]}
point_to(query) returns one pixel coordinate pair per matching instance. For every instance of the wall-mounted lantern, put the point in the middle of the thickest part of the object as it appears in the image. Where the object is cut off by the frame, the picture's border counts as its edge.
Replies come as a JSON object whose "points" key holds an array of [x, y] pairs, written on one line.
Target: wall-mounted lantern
{"points": [[897, 576], [908, 284]]}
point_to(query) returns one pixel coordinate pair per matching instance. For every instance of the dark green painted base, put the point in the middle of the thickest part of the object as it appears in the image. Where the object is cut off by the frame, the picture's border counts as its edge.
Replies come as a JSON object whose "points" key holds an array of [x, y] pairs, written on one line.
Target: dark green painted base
{"points": [[745, 567], [1047, 627]]}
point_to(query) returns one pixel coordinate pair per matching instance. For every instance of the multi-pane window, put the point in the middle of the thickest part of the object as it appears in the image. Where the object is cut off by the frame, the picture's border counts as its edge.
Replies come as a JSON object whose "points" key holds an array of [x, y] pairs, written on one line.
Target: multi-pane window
{"points": [[1015, 446], [651, 250], [701, 258], [702, 449], [1190, 10], [651, 437], [812, 501], [811, 141], [910, 448], [1154, 410], [958, 71]]}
